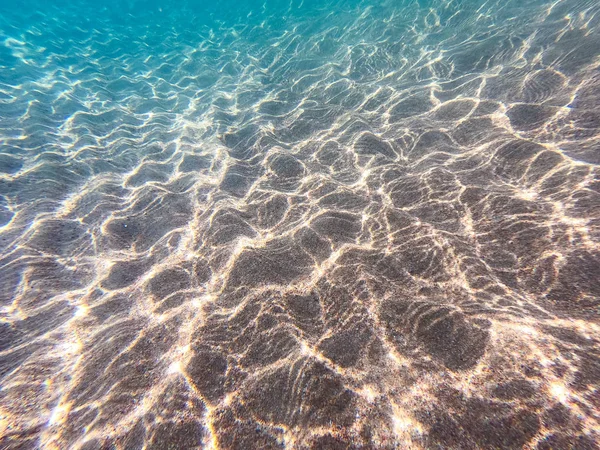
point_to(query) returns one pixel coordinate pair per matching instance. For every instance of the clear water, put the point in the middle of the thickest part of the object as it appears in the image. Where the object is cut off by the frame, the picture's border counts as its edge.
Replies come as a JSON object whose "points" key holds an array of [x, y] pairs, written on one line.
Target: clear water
{"points": [[299, 224]]}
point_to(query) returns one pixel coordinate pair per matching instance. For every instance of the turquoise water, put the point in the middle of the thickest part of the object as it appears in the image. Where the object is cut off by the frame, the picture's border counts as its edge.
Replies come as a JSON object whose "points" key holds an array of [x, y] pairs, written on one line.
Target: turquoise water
{"points": [[299, 224]]}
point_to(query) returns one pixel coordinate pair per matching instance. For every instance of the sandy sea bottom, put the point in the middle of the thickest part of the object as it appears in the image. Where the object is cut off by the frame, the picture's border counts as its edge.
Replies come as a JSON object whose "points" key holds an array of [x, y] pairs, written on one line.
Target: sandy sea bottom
{"points": [[353, 225]]}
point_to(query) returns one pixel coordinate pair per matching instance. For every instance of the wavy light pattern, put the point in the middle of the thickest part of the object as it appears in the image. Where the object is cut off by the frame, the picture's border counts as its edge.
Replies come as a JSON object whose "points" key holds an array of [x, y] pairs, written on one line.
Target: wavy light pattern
{"points": [[358, 225]]}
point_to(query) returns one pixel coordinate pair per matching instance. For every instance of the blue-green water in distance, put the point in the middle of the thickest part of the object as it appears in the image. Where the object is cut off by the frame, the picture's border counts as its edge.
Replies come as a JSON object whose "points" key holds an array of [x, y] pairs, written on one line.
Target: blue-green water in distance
{"points": [[299, 224]]}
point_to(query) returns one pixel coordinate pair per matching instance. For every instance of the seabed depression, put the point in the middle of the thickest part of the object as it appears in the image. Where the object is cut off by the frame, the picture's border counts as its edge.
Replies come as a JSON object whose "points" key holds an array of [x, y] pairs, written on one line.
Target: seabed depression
{"points": [[301, 225]]}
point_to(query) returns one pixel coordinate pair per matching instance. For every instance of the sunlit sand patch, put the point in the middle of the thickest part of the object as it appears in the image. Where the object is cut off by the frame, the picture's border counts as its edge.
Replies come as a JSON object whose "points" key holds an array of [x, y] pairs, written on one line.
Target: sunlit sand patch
{"points": [[405, 427]]}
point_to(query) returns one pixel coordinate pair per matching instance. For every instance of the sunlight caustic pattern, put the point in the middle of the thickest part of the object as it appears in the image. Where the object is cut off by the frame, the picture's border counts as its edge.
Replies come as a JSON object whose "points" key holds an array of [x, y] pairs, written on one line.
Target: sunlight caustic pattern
{"points": [[365, 225]]}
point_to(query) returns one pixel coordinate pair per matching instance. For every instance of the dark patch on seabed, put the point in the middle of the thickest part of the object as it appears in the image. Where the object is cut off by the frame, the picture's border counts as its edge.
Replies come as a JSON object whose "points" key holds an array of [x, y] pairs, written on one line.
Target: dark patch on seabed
{"points": [[300, 225]]}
